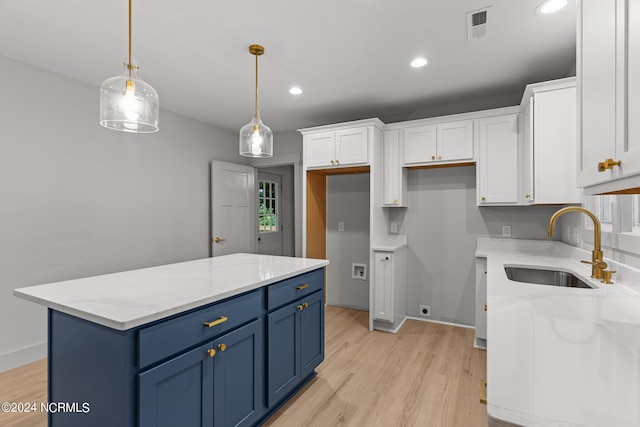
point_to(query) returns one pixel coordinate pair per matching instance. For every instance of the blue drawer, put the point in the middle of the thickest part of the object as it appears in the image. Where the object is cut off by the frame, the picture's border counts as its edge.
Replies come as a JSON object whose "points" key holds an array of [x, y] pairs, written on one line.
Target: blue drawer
{"points": [[172, 336], [294, 288]]}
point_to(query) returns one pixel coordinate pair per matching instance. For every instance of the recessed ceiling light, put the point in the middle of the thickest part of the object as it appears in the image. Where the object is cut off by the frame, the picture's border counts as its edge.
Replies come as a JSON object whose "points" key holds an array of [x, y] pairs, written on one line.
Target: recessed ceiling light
{"points": [[550, 6], [419, 62], [295, 90]]}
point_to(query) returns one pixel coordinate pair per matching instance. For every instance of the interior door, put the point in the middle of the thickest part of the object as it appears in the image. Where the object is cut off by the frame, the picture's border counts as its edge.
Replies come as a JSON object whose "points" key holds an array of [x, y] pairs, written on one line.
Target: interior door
{"points": [[232, 208], [269, 214]]}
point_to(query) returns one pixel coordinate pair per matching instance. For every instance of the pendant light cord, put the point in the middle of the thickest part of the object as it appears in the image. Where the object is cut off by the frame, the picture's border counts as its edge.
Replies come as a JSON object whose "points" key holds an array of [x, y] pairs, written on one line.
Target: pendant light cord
{"points": [[256, 113], [130, 65]]}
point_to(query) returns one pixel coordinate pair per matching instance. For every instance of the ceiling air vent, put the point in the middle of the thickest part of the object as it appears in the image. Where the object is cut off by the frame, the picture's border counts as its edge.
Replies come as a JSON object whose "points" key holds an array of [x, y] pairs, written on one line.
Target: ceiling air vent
{"points": [[477, 23]]}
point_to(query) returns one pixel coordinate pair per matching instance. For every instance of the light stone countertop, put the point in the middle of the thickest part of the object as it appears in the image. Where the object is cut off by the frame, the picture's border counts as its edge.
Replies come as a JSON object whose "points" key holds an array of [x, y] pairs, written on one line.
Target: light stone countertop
{"points": [[560, 356], [133, 298]]}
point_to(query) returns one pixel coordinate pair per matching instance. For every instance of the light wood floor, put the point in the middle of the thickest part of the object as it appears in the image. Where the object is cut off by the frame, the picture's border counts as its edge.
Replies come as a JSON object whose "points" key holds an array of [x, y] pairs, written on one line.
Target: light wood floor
{"points": [[426, 375]]}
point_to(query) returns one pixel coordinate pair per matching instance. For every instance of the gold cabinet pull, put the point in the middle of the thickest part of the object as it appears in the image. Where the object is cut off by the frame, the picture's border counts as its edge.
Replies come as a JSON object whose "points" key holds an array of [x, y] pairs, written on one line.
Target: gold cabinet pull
{"points": [[439, 157], [483, 199], [483, 392], [299, 307], [218, 240], [332, 162], [301, 287], [211, 352], [527, 196], [222, 319], [222, 347], [433, 157], [608, 164], [337, 162], [305, 305], [485, 307], [395, 200]]}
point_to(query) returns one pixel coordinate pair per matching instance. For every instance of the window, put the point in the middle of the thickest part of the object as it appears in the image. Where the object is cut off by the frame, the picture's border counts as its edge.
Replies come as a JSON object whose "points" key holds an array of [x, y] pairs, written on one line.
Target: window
{"points": [[635, 215], [267, 206], [603, 208]]}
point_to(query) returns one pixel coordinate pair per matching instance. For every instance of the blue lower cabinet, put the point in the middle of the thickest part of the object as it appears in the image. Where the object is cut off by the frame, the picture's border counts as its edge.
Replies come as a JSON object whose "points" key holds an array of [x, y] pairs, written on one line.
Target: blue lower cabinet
{"points": [[219, 384], [311, 334], [238, 376], [295, 345], [178, 392]]}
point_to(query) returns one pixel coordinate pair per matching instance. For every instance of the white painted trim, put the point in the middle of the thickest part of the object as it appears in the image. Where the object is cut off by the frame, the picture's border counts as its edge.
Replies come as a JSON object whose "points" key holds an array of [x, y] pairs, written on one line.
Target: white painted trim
{"points": [[22, 356], [380, 326], [455, 117], [345, 125], [441, 322], [277, 160]]}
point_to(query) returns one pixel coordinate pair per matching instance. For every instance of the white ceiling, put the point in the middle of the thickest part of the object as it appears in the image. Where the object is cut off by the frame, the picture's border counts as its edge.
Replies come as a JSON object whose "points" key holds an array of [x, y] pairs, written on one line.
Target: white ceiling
{"points": [[349, 56]]}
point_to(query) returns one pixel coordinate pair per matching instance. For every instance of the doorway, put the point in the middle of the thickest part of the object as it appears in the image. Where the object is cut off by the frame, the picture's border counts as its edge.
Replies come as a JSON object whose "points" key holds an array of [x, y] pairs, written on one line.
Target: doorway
{"points": [[275, 219]]}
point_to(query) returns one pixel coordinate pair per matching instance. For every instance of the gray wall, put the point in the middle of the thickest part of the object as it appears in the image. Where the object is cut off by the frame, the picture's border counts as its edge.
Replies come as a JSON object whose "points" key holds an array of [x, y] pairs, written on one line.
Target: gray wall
{"points": [[80, 200], [347, 201], [442, 223]]}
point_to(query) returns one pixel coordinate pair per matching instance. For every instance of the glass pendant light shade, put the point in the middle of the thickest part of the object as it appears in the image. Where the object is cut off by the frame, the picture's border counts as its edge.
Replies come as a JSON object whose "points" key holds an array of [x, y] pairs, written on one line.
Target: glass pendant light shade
{"points": [[256, 139], [129, 104]]}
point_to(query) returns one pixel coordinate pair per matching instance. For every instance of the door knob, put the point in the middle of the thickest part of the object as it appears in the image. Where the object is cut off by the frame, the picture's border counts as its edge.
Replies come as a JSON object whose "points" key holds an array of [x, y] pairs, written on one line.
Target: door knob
{"points": [[218, 240]]}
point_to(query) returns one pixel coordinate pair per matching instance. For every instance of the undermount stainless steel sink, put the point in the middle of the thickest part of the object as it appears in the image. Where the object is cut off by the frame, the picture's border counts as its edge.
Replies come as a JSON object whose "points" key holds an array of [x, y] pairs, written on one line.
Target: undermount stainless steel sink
{"points": [[545, 277]]}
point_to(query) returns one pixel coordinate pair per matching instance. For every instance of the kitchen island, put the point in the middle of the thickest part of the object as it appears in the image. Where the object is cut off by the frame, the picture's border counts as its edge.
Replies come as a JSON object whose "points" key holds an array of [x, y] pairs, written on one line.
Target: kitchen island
{"points": [[217, 341], [559, 356]]}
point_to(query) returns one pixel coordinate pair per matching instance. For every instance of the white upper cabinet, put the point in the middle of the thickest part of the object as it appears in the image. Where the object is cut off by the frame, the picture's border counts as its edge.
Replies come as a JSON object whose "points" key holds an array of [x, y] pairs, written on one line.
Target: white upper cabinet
{"points": [[550, 143], [497, 167], [341, 147], [395, 176], [608, 69], [438, 143]]}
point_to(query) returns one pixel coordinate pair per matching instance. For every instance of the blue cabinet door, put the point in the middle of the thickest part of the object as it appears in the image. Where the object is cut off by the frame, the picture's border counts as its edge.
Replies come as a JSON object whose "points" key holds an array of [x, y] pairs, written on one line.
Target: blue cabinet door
{"points": [[311, 333], [178, 392], [283, 352], [238, 376]]}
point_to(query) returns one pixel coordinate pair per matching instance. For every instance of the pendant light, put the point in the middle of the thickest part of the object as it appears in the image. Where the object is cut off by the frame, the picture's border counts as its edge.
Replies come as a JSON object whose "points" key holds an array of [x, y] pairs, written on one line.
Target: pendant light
{"points": [[127, 103], [256, 139]]}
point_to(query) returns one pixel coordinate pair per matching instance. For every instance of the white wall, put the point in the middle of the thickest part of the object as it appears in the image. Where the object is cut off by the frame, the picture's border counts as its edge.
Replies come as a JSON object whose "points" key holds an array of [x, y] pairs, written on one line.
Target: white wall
{"points": [[442, 223], [348, 202], [78, 200]]}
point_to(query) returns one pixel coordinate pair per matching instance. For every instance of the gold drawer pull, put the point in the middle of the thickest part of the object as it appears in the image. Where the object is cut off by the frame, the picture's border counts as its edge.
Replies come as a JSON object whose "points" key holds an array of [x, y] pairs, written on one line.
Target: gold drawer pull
{"points": [[483, 392], [211, 352], [222, 319], [608, 164], [301, 287], [305, 305], [222, 347], [299, 307]]}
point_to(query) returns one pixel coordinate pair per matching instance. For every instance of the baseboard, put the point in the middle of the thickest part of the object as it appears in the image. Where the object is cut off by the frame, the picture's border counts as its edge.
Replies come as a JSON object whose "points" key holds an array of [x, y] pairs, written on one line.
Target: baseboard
{"points": [[422, 319], [23, 356], [382, 326]]}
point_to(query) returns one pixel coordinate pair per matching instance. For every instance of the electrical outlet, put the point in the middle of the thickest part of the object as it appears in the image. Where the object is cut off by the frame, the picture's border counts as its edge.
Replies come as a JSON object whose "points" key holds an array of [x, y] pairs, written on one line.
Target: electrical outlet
{"points": [[506, 231], [425, 310]]}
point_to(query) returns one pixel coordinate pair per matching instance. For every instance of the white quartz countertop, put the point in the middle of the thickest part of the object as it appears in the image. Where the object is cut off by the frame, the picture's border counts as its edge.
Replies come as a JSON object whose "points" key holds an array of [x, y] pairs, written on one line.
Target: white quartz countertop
{"points": [[560, 356], [390, 243], [133, 298]]}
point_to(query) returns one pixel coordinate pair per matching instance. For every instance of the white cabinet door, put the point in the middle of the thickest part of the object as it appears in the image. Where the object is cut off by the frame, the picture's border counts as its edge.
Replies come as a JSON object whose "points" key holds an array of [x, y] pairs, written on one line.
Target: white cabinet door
{"points": [[554, 147], [455, 141], [320, 149], [395, 176], [352, 146], [383, 297], [596, 71], [497, 168], [628, 147], [419, 144], [481, 302]]}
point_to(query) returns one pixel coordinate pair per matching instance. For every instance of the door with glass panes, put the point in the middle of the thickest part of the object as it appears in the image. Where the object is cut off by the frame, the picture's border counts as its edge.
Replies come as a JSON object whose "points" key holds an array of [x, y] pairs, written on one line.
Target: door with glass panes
{"points": [[269, 214]]}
